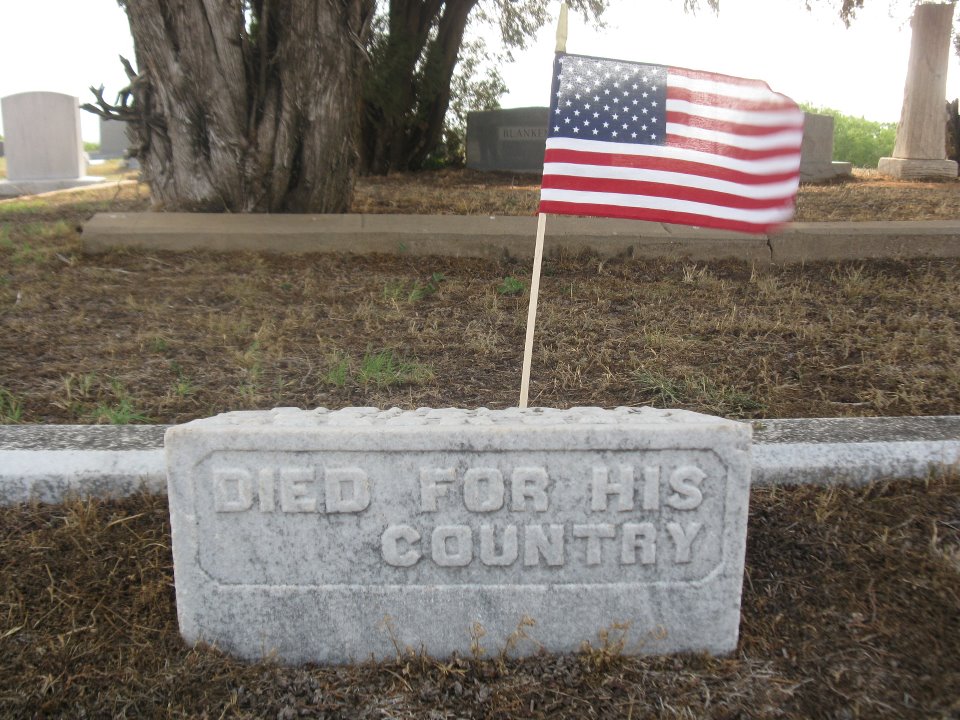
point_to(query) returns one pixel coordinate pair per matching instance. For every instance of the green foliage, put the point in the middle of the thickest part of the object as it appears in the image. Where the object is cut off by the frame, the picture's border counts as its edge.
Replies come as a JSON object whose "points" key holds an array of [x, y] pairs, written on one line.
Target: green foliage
{"points": [[857, 140], [384, 368], [339, 371], [419, 292], [120, 411], [694, 389], [91, 146], [423, 76], [11, 408], [475, 86], [397, 290], [510, 286]]}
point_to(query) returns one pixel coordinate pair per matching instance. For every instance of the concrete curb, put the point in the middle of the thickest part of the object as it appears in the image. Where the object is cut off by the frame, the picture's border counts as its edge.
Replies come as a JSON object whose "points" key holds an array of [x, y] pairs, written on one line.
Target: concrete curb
{"points": [[50, 463], [495, 237]]}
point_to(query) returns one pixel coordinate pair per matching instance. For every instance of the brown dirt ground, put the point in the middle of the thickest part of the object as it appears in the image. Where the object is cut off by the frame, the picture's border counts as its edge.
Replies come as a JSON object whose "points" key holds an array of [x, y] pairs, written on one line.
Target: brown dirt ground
{"points": [[849, 611], [851, 597], [155, 337]]}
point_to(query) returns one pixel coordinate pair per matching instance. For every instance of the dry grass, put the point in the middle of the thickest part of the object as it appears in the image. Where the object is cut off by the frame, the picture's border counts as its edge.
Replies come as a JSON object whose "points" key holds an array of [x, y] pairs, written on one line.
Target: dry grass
{"points": [[868, 196], [152, 337], [850, 597], [137, 337], [849, 610]]}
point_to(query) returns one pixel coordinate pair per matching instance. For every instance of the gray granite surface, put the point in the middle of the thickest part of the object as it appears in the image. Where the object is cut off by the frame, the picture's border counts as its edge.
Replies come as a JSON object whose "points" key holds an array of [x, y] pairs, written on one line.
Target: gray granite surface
{"points": [[857, 430], [52, 462], [300, 534], [82, 437]]}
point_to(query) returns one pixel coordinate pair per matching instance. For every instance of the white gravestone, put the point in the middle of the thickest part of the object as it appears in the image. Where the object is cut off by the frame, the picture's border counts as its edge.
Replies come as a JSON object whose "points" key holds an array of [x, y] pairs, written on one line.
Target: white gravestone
{"points": [[330, 536], [42, 143], [920, 148], [816, 151]]}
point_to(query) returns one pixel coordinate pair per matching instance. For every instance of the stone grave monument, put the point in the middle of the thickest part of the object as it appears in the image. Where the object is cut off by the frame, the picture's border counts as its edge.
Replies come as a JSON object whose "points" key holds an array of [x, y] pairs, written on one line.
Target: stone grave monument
{"points": [[513, 140], [816, 151], [113, 139], [325, 536], [43, 146], [115, 143], [920, 148]]}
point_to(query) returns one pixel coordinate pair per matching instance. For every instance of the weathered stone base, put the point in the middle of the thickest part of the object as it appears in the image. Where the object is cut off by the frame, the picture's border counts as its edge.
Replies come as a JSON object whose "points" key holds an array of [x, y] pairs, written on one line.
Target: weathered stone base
{"points": [[15, 188], [825, 172], [911, 169], [336, 536]]}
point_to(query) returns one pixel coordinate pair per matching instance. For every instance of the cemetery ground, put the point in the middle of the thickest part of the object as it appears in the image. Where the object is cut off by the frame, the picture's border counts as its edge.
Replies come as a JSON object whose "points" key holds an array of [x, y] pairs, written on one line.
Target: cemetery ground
{"points": [[850, 595]]}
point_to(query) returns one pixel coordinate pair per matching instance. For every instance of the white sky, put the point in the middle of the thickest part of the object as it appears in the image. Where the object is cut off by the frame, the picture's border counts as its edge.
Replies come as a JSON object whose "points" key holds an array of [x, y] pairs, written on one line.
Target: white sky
{"points": [[68, 45]]}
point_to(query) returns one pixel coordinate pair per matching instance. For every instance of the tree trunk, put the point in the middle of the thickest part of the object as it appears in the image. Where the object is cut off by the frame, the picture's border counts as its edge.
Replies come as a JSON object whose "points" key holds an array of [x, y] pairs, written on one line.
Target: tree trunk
{"points": [[231, 120], [407, 93]]}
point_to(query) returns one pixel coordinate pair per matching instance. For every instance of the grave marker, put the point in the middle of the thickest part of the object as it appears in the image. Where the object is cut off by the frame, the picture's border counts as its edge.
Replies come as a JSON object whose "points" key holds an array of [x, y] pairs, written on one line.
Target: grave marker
{"points": [[113, 139], [43, 146], [326, 536], [816, 152], [511, 140]]}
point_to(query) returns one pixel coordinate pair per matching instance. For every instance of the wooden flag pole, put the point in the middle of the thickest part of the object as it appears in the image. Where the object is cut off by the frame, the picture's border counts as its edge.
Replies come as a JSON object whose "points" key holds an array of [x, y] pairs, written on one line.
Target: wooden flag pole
{"points": [[532, 311], [538, 253], [562, 29]]}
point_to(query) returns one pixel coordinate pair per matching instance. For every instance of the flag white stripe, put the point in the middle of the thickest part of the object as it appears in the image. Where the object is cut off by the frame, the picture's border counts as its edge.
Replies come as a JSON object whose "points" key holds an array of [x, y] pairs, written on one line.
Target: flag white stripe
{"points": [[756, 192], [759, 118], [714, 87], [788, 162], [759, 216], [785, 139]]}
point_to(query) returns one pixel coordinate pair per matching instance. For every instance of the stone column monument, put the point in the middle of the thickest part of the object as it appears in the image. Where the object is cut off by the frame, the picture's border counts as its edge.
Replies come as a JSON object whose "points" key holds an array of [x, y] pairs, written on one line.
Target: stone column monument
{"points": [[920, 150]]}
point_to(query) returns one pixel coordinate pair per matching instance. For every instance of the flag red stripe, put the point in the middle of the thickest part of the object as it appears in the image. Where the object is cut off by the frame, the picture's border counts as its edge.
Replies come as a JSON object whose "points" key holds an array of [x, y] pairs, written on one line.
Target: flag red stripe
{"points": [[724, 125], [715, 77], [702, 98], [664, 216], [647, 162], [664, 190], [716, 148]]}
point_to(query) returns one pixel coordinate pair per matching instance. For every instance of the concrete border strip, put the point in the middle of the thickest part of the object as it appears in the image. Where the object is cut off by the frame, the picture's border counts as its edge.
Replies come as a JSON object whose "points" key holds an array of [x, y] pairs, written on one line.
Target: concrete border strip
{"points": [[49, 463], [495, 237]]}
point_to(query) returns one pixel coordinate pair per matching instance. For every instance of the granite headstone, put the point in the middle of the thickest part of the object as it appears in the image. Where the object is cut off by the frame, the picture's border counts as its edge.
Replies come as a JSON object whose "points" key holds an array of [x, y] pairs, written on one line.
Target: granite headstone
{"points": [[512, 140], [324, 536]]}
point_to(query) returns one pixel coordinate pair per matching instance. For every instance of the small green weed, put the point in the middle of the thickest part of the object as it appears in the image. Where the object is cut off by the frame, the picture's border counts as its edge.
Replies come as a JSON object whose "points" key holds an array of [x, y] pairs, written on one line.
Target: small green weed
{"points": [[11, 408], [420, 292], [184, 388], [665, 390], [384, 368], [24, 207], [121, 413], [397, 290], [695, 389], [26, 254], [510, 286], [339, 371]]}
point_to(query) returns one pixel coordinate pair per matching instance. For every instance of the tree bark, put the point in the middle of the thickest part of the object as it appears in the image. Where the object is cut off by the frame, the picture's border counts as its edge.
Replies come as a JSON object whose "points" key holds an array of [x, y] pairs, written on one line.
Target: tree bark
{"points": [[231, 119], [408, 90]]}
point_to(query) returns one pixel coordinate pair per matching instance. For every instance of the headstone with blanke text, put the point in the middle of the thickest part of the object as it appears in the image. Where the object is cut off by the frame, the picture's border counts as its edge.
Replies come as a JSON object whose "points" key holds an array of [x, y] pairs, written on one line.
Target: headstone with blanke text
{"points": [[319, 536]]}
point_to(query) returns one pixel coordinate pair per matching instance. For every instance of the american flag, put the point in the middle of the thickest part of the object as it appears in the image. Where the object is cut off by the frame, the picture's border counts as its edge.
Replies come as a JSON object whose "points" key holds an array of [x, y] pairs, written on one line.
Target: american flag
{"points": [[665, 144]]}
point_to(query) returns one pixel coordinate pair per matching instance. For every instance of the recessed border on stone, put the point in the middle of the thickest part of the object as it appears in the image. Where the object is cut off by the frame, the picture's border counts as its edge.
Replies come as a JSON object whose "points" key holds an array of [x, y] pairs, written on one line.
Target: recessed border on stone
{"points": [[350, 621]]}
